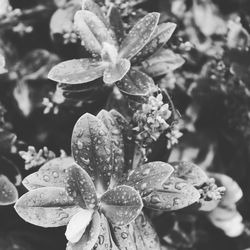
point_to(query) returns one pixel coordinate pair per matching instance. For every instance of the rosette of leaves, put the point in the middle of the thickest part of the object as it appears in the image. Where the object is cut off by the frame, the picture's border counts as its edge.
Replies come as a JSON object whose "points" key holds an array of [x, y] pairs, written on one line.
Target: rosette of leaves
{"points": [[83, 193], [114, 52]]}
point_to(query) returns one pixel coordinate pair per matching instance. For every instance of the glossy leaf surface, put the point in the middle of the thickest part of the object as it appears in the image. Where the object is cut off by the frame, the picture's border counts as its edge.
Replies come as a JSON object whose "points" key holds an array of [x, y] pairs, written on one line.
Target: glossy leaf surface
{"points": [[139, 35], [8, 191], [148, 177], [121, 205], [77, 71], [91, 148], [46, 207]]}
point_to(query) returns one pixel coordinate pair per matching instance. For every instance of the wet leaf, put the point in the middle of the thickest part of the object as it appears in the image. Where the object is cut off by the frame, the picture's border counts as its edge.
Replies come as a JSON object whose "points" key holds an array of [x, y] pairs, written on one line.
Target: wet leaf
{"points": [[139, 35], [127, 138], [91, 149], [121, 205], [189, 172], [115, 72], [51, 174], [173, 194], [80, 187], [116, 23], [117, 143], [162, 62], [160, 37], [149, 176], [77, 71], [78, 224], [8, 192], [145, 236], [90, 236], [104, 241], [46, 207], [93, 7], [123, 236], [136, 83]]}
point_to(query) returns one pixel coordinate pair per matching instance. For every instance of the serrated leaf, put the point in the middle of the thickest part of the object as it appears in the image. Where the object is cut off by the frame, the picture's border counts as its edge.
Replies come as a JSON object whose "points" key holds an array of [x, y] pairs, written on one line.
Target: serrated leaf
{"points": [[77, 71], [160, 37], [139, 35], [117, 143], [136, 83], [189, 172], [8, 191], [115, 72], [145, 236], [51, 174], [90, 236], [127, 138], [91, 148], [46, 207], [162, 62], [80, 187], [149, 176], [123, 237], [78, 224], [173, 194], [121, 205], [116, 23], [104, 241]]}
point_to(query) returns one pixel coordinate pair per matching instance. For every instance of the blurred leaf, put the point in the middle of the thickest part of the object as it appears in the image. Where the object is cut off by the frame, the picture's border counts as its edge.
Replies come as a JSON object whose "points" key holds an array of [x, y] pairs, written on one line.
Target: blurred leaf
{"points": [[189, 172], [149, 176], [8, 192], [139, 35], [173, 194], [121, 205], [80, 187], [162, 62], [51, 174], [91, 149], [46, 207], [77, 71]]}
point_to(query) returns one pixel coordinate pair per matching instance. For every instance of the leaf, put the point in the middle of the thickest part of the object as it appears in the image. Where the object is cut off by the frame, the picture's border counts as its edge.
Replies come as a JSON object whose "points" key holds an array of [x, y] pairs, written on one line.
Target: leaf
{"points": [[139, 35], [123, 237], [78, 224], [117, 143], [46, 207], [80, 187], [93, 7], [2, 65], [104, 241], [149, 176], [121, 205], [127, 138], [91, 148], [162, 62], [115, 72], [160, 37], [173, 194], [136, 83], [8, 192], [96, 26], [77, 71], [81, 87], [51, 174], [189, 172], [90, 236], [116, 23], [145, 236]]}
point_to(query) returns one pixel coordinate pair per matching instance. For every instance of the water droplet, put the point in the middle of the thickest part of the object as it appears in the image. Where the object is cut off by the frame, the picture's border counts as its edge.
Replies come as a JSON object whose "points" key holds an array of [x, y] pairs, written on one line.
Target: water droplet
{"points": [[124, 235], [46, 178], [155, 199]]}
